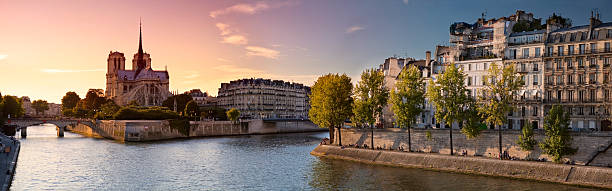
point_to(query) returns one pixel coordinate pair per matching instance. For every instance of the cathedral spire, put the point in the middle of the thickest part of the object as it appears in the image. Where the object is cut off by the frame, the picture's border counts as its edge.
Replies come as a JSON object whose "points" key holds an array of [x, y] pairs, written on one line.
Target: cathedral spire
{"points": [[140, 39]]}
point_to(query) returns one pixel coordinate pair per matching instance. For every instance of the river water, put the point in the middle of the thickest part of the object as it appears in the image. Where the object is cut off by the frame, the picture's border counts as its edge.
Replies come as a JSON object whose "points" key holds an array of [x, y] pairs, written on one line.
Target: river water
{"points": [[258, 162]]}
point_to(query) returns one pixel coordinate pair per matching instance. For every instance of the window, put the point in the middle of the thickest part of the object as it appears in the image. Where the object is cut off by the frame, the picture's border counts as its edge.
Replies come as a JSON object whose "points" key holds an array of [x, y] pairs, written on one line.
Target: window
{"points": [[523, 111], [607, 94], [593, 47], [581, 95], [549, 80], [580, 111], [470, 67], [606, 61], [562, 38], [592, 78], [580, 79], [607, 47], [559, 80], [595, 34], [592, 95], [570, 49], [535, 67], [570, 95], [535, 79], [560, 50], [485, 66], [469, 82], [549, 52], [580, 62], [606, 77], [548, 64], [513, 54], [537, 51], [523, 78], [559, 94], [525, 52], [549, 95], [569, 63], [570, 79], [593, 62], [583, 36], [581, 49], [559, 64], [609, 33], [591, 110], [572, 37], [523, 67]]}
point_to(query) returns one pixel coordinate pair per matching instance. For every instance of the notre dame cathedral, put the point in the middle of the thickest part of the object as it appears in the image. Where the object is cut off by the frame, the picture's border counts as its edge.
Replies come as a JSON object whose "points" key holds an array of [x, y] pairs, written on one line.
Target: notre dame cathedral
{"points": [[142, 84]]}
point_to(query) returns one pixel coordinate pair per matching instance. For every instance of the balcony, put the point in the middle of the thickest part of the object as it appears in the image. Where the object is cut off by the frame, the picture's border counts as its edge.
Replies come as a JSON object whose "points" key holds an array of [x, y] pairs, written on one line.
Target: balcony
{"points": [[580, 52]]}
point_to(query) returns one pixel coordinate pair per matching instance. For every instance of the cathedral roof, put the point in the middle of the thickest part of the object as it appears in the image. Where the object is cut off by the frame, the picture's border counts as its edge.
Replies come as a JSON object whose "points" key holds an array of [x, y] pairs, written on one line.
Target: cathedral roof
{"points": [[131, 75]]}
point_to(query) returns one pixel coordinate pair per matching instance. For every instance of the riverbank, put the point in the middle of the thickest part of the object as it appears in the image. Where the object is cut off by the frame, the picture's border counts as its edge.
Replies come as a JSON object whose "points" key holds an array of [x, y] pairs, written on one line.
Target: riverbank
{"points": [[9, 153], [541, 171]]}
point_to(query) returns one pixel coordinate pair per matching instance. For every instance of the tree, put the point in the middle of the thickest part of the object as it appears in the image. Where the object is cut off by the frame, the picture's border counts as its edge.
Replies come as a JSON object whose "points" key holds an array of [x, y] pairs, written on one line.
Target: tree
{"points": [[215, 113], [558, 140], [94, 100], [527, 140], [108, 110], [408, 98], [450, 97], [181, 102], [40, 106], [472, 126], [191, 109], [500, 85], [371, 96], [331, 103], [70, 100], [12, 106], [233, 115]]}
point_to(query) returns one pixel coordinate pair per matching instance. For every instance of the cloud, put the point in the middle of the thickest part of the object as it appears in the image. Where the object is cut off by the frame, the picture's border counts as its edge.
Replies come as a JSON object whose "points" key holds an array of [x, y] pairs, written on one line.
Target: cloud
{"points": [[233, 71], [243, 8], [192, 76], [69, 71], [261, 51], [223, 60], [3, 56], [235, 40], [224, 28], [406, 1], [353, 29]]}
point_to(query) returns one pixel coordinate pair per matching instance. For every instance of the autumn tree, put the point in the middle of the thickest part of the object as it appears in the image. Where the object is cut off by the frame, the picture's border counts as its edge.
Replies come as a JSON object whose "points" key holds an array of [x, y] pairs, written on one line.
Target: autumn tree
{"points": [[40, 106], [558, 141], [500, 85], [94, 99], [69, 101], [450, 98], [408, 98], [371, 96], [331, 103], [233, 115], [191, 109]]}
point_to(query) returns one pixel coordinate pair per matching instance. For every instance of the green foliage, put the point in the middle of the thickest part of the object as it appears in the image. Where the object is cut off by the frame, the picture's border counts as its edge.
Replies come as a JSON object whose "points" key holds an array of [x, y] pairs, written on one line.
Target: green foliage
{"points": [[472, 126], [12, 106], [498, 93], [70, 100], [449, 95], [181, 102], [93, 100], [428, 135], [370, 97], [216, 113], [527, 140], [40, 106], [133, 103], [68, 112], [331, 102], [524, 25], [409, 97], [557, 19], [191, 109], [182, 125], [558, 140], [108, 110], [233, 114], [145, 113]]}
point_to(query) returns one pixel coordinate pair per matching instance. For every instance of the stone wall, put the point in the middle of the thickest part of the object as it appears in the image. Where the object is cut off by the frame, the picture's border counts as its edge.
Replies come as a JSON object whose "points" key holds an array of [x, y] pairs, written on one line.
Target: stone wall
{"points": [[486, 144], [542, 171]]}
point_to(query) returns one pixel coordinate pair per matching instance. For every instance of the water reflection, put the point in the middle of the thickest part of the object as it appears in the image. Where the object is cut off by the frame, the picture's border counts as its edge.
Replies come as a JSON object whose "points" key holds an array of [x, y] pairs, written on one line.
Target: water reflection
{"points": [[258, 162]]}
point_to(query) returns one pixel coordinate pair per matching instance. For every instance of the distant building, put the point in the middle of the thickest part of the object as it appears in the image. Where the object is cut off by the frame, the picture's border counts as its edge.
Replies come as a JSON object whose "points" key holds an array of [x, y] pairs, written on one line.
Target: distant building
{"points": [[203, 99], [54, 110], [142, 84], [265, 98]]}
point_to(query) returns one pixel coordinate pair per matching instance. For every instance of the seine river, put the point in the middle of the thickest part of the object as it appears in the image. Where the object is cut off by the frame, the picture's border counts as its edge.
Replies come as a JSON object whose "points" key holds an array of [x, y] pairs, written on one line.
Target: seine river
{"points": [[260, 162]]}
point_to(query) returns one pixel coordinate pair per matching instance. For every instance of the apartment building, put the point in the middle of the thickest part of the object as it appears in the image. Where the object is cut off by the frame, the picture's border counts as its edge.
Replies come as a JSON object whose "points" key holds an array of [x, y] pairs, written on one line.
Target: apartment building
{"points": [[577, 73], [265, 98]]}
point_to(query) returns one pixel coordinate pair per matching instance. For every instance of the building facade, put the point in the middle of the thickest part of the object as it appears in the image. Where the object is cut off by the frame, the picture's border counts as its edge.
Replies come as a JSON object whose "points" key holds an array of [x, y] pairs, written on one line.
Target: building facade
{"points": [[577, 73], [141, 83], [265, 98]]}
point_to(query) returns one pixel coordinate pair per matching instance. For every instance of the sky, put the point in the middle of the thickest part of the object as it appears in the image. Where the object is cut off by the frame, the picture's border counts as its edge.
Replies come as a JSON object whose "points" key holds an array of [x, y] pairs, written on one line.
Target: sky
{"points": [[48, 48]]}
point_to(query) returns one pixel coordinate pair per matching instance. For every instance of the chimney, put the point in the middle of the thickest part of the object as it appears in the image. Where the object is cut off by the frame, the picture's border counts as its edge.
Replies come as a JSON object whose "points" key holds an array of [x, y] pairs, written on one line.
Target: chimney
{"points": [[427, 58]]}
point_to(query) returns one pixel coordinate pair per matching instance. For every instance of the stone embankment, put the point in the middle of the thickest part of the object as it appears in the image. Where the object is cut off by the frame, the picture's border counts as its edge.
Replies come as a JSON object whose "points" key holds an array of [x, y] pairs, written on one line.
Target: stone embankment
{"points": [[152, 130], [541, 171], [9, 153], [594, 149]]}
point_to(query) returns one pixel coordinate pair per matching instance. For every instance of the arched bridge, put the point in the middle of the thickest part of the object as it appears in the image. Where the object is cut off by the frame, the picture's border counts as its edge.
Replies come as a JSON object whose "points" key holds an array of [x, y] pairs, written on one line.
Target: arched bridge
{"points": [[21, 124]]}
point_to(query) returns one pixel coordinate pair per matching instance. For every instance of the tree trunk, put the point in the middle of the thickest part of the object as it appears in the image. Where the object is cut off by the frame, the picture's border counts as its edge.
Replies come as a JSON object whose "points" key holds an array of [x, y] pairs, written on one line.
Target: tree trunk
{"points": [[409, 141], [500, 141], [339, 136], [331, 135], [372, 138], [450, 130]]}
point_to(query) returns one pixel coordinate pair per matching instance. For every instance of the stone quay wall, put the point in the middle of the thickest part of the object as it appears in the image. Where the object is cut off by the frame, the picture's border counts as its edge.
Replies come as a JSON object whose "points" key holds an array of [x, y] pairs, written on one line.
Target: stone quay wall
{"points": [[594, 148], [542, 171], [152, 130]]}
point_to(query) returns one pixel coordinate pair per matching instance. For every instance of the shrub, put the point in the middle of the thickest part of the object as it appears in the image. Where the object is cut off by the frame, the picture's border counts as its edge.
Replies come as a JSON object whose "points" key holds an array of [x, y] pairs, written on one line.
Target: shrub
{"points": [[145, 113], [526, 140]]}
